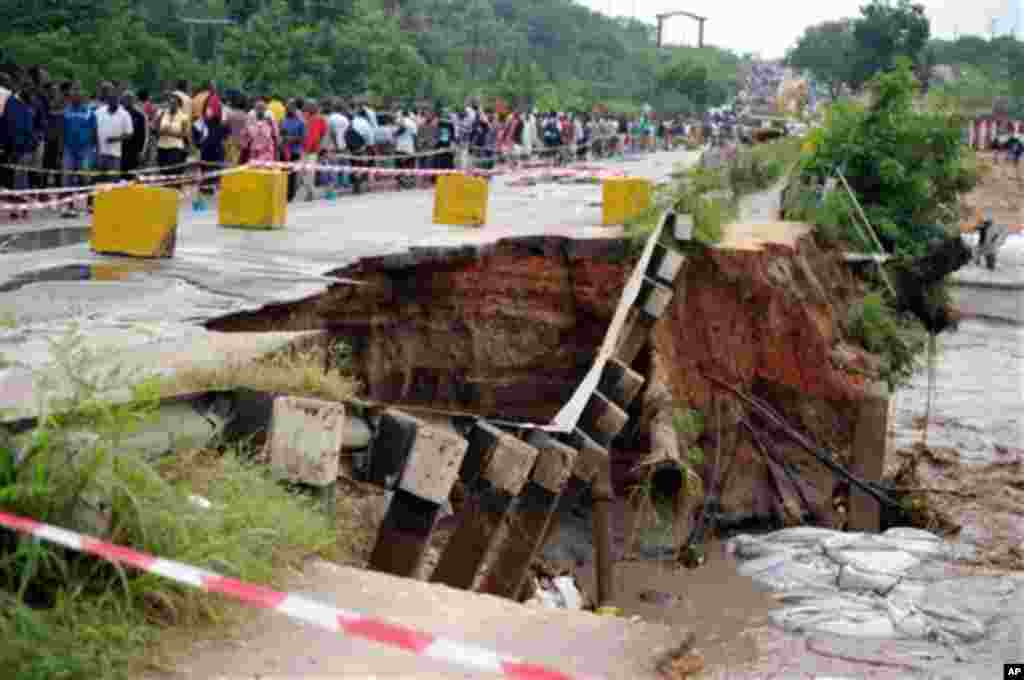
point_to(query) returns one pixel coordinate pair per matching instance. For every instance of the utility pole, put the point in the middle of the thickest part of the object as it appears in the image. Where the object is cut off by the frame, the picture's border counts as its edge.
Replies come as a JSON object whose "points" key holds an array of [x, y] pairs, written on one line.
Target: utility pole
{"points": [[667, 15]]}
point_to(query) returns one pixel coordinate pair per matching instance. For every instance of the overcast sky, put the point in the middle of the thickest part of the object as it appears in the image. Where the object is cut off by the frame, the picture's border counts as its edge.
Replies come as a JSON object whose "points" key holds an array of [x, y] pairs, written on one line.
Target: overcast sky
{"points": [[770, 27]]}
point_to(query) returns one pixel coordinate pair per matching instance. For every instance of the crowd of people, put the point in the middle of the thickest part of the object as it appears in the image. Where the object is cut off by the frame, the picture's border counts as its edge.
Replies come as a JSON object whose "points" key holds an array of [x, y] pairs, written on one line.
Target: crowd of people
{"points": [[760, 86], [53, 135]]}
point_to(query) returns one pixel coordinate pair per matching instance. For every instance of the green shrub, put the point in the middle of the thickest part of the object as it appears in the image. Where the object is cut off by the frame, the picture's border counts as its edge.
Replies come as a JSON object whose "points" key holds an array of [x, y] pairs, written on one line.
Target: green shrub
{"points": [[67, 615], [907, 167], [897, 340]]}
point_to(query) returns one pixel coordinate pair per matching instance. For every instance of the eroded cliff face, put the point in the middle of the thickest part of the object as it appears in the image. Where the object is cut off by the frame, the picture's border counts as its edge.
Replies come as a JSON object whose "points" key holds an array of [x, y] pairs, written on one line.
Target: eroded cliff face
{"points": [[509, 330], [505, 330], [766, 321]]}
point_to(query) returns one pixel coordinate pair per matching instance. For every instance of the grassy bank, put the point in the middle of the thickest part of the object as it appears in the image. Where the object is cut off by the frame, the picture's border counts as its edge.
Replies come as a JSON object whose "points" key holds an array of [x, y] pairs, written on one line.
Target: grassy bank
{"points": [[68, 616], [299, 371]]}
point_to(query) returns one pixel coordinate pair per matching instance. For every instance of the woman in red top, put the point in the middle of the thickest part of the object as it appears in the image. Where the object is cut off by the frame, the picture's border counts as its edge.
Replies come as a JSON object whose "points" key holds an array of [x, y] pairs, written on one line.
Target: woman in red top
{"points": [[316, 131]]}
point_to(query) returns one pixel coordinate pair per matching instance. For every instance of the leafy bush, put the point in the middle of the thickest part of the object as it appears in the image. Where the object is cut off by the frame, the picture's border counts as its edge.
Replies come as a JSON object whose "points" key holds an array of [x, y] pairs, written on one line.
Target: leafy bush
{"points": [[897, 340], [67, 615], [906, 167]]}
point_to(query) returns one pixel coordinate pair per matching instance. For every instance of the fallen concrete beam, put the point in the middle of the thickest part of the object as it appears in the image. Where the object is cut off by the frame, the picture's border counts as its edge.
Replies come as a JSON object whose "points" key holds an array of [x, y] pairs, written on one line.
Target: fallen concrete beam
{"points": [[434, 457], [485, 513], [620, 383], [602, 420], [533, 513]]}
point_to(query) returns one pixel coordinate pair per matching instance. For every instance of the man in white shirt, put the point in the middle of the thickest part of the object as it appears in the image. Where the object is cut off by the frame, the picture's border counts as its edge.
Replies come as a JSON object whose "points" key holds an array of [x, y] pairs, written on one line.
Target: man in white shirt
{"points": [[113, 127], [405, 144], [337, 126]]}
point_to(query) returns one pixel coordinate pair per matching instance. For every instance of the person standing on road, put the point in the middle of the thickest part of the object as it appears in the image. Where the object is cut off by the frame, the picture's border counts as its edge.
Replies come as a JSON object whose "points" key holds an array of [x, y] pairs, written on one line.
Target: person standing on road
{"points": [[173, 131], [315, 133], [114, 127], [54, 143], [426, 140], [211, 153], [80, 140], [181, 91], [260, 139], [337, 127], [133, 148], [358, 137], [445, 142], [405, 145], [18, 124], [293, 137]]}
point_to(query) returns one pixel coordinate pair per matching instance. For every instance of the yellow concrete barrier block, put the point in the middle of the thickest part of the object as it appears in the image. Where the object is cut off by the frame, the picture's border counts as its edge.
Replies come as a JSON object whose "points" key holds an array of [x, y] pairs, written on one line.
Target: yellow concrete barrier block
{"points": [[135, 220], [254, 199], [624, 198], [460, 200]]}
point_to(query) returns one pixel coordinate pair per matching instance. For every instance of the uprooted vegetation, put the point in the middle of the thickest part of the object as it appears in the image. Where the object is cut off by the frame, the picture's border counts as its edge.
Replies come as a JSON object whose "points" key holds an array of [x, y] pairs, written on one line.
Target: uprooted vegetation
{"points": [[68, 615]]}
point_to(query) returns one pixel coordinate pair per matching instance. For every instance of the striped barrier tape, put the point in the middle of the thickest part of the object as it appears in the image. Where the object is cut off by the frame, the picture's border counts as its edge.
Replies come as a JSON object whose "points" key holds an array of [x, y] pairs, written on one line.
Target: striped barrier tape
{"points": [[419, 172], [80, 193], [345, 622], [107, 173]]}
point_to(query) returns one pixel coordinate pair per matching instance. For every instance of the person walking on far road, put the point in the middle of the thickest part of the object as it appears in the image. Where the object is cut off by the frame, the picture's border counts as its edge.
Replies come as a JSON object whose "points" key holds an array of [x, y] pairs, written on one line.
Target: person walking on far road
{"points": [[80, 140], [114, 127]]}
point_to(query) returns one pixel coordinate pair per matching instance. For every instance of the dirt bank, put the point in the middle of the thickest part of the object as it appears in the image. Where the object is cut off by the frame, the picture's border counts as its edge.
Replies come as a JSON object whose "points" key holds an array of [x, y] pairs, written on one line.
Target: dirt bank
{"points": [[509, 330]]}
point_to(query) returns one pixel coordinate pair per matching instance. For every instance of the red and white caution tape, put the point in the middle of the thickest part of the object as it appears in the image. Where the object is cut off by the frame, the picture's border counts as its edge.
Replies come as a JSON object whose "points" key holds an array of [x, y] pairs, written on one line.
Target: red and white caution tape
{"points": [[33, 199], [296, 607]]}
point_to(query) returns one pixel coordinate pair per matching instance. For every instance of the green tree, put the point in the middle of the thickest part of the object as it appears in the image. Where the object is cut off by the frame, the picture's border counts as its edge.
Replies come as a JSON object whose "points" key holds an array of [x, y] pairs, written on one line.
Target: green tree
{"points": [[885, 31], [826, 50], [906, 167]]}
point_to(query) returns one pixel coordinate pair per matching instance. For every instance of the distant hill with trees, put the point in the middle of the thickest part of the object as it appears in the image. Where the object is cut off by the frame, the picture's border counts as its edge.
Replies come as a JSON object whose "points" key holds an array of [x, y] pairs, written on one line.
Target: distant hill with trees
{"points": [[551, 53]]}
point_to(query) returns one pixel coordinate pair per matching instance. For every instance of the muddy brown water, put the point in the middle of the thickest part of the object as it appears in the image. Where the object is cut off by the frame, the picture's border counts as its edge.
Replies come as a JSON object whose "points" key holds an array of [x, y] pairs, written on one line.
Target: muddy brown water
{"points": [[727, 613], [977, 417]]}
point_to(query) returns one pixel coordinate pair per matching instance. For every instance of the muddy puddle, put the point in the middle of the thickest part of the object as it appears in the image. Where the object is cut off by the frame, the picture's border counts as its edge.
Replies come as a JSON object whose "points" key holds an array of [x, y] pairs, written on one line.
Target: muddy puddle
{"points": [[43, 239], [111, 271]]}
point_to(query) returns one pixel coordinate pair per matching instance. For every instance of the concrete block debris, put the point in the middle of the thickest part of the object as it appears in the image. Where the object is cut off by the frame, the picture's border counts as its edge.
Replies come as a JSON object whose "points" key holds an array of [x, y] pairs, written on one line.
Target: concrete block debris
{"points": [[305, 440]]}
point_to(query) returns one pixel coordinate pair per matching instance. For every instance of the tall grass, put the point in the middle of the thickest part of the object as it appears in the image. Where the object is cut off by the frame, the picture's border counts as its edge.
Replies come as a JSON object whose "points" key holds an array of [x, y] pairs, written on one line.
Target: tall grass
{"points": [[299, 372], [71, 616]]}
